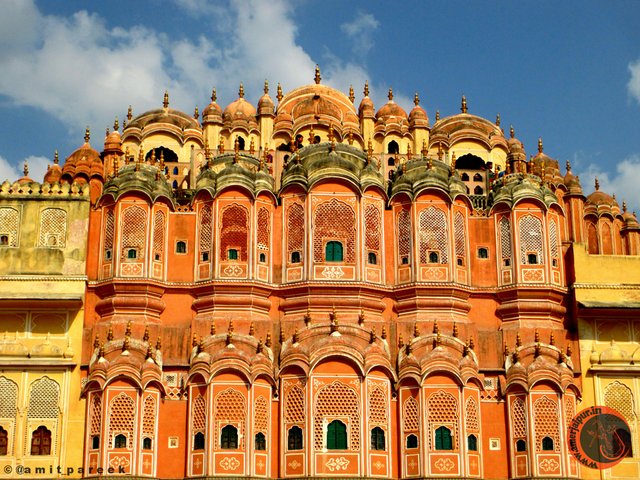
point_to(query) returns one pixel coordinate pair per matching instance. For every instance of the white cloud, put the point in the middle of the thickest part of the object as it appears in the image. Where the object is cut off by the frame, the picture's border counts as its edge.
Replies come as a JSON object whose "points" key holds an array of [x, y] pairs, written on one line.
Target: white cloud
{"points": [[361, 31], [623, 182], [634, 82], [8, 171], [37, 169]]}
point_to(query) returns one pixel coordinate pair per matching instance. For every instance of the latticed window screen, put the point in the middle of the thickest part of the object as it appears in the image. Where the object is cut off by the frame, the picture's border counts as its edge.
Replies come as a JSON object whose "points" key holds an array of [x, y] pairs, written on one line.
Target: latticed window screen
{"points": [[553, 239], [334, 220], [545, 418], [149, 417], [433, 234], [9, 221], [518, 419], [505, 238], [234, 231], [134, 231], [205, 232], [96, 414], [530, 232], [377, 407], [158, 236], [9, 397], [619, 397], [410, 415], [459, 232], [231, 407], [373, 228], [442, 409], [261, 415], [404, 235], [569, 407], [295, 229], [337, 400], [471, 415], [264, 228], [198, 415], [109, 233], [53, 228], [122, 416], [43, 399], [294, 411]]}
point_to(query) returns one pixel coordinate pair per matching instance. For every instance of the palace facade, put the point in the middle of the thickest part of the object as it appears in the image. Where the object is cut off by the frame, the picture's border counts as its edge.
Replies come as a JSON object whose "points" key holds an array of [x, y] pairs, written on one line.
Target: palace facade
{"points": [[311, 287]]}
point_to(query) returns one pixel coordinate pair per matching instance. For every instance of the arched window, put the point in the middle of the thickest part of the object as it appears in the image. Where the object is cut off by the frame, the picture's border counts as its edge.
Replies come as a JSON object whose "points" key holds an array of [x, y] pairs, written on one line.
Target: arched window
{"points": [[4, 442], [120, 441], [333, 252], [393, 147], [443, 439], [132, 253], [477, 177], [175, 170], [478, 190], [433, 257], [198, 441], [412, 441], [294, 438], [146, 443], [337, 436], [229, 437], [181, 247], [95, 442], [547, 444], [532, 259], [260, 441], [521, 446], [472, 443], [175, 183], [41, 441], [372, 258], [295, 257], [483, 252], [391, 162], [377, 439], [464, 177], [262, 258], [240, 143], [232, 254]]}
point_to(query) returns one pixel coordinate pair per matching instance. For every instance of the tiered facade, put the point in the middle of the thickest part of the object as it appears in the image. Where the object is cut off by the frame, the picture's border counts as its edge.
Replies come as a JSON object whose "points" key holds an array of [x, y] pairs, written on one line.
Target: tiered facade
{"points": [[311, 289]]}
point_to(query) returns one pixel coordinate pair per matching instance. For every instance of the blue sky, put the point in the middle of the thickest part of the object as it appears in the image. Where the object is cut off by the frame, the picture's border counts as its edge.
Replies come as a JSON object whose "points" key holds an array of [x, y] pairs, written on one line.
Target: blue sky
{"points": [[566, 71]]}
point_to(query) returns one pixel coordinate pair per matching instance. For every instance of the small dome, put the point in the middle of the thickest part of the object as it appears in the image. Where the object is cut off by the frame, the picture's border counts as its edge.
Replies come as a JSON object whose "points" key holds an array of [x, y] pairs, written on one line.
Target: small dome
{"points": [[572, 182], [366, 109], [239, 111], [600, 198], [54, 172], [265, 104], [515, 145], [551, 167], [629, 218], [212, 112], [418, 116], [163, 115], [391, 111], [82, 160], [113, 141]]}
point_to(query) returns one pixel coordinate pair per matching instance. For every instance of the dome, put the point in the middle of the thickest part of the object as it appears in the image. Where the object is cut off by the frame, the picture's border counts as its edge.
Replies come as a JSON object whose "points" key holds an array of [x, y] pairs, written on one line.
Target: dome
{"points": [[164, 115], [54, 172], [212, 112], [515, 145], [265, 104], [572, 182], [629, 218], [240, 113], [366, 109], [418, 116], [551, 166], [113, 141], [600, 198], [83, 160], [391, 111]]}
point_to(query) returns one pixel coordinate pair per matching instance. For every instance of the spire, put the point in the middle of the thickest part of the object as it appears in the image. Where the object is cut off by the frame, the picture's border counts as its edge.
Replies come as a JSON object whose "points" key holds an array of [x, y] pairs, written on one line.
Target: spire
{"points": [[512, 132], [597, 184], [214, 95], [390, 94], [107, 132], [366, 88], [116, 125], [437, 115], [26, 168], [241, 91], [352, 95], [497, 120], [196, 113], [56, 159], [279, 93], [425, 150], [568, 166], [416, 99], [165, 101], [266, 87], [317, 76], [624, 206], [463, 106], [129, 113], [540, 148], [87, 135]]}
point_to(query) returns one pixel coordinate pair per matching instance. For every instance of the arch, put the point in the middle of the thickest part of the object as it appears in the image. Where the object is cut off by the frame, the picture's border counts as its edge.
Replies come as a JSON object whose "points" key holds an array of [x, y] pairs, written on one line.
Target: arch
{"points": [[337, 400], [121, 418], [260, 442], [443, 439], [234, 230], [393, 147], [53, 228], [412, 441], [168, 154], [432, 235], [134, 232], [472, 443], [229, 437], [530, 233], [295, 232], [198, 441], [41, 441], [378, 439], [404, 236], [592, 238], [9, 225], [336, 436], [334, 221], [294, 438], [470, 162]]}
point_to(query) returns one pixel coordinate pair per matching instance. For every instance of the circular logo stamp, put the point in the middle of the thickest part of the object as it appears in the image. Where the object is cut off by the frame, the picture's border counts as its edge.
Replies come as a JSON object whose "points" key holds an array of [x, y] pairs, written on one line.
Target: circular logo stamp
{"points": [[599, 437]]}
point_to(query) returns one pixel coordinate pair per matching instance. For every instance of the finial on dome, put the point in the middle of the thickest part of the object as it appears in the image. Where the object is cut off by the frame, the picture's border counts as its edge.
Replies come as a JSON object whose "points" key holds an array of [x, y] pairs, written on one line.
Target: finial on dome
{"points": [[241, 91], [463, 106], [116, 125], [540, 147], [56, 159], [87, 135], [196, 113], [366, 88], [266, 87], [416, 99], [390, 94], [317, 76], [568, 166], [352, 95], [624, 206], [597, 184], [279, 93], [214, 95], [26, 168], [129, 113], [107, 132], [165, 101], [512, 132], [437, 115], [497, 120]]}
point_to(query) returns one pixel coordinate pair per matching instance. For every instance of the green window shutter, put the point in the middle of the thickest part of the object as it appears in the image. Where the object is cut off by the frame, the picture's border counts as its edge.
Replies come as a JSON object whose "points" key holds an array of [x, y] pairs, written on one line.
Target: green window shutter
{"points": [[337, 436], [334, 252]]}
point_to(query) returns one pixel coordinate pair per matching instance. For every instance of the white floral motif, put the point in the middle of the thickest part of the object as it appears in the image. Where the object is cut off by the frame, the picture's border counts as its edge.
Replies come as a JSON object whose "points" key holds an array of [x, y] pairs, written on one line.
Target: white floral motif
{"points": [[119, 461], [295, 465], [549, 465], [233, 271], [445, 464], [229, 463], [332, 272], [337, 464]]}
